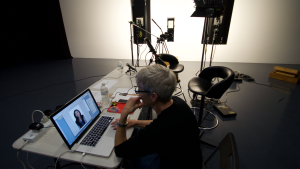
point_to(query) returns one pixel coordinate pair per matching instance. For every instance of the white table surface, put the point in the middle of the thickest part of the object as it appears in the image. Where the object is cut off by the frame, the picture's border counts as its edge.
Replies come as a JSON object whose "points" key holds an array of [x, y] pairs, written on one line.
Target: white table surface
{"points": [[51, 144]]}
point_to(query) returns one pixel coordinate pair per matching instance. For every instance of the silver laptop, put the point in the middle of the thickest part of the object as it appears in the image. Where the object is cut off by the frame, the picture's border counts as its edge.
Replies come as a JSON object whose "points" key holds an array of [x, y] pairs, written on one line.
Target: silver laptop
{"points": [[82, 128]]}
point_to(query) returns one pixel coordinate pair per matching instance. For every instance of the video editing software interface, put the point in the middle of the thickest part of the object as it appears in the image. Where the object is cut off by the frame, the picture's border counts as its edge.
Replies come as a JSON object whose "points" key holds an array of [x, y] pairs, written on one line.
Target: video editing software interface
{"points": [[74, 118]]}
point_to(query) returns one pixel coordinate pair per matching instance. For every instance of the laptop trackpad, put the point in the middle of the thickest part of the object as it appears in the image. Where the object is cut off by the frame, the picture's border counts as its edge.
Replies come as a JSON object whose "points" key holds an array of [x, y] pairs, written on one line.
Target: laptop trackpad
{"points": [[110, 132]]}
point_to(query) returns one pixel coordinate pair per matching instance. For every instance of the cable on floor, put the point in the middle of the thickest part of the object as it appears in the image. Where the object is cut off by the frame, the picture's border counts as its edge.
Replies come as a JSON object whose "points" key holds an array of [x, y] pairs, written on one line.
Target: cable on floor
{"points": [[231, 92], [249, 79]]}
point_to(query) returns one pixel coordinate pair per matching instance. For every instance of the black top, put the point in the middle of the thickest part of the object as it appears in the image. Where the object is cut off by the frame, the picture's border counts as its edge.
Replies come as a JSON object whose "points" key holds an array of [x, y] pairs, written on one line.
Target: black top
{"points": [[174, 136], [82, 123]]}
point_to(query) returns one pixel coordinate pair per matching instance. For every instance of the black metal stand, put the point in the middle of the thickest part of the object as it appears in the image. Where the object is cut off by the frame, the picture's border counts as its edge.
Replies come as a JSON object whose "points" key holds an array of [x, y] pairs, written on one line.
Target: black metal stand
{"points": [[200, 120], [137, 52], [212, 51], [204, 39], [161, 42], [130, 70], [137, 45], [131, 40]]}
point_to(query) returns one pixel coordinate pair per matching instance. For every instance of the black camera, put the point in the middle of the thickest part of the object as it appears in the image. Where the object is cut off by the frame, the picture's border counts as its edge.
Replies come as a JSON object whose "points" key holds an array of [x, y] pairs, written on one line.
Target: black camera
{"points": [[166, 36], [209, 3]]}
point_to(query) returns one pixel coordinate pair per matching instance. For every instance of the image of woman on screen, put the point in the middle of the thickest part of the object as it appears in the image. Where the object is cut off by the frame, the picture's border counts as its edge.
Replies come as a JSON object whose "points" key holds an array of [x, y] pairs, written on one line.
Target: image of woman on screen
{"points": [[80, 120]]}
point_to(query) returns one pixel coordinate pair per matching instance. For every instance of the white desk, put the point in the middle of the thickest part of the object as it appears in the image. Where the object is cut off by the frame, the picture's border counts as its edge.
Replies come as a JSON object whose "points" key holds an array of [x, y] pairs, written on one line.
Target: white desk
{"points": [[52, 145]]}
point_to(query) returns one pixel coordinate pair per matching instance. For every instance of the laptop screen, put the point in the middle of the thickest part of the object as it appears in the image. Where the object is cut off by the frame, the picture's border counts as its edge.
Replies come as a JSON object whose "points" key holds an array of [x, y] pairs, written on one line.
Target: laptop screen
{"points": [[75, 117]]}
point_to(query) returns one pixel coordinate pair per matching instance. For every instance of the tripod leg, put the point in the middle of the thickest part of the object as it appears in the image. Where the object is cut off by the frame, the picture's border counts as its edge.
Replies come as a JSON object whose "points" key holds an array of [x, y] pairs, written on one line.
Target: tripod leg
{"points": [[166, 48], [156, 46], [181, 90], [159, 47]]}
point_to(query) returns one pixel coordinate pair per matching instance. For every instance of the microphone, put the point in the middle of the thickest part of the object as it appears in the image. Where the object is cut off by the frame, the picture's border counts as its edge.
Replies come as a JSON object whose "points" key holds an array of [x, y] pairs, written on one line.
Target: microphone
{"points": [[131, 67], [150, 46], [161, 61]]}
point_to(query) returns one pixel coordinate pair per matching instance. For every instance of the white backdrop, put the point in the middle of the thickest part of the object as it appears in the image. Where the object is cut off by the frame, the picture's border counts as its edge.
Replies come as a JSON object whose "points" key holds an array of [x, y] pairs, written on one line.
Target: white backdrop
{"points": [[261, 31]]}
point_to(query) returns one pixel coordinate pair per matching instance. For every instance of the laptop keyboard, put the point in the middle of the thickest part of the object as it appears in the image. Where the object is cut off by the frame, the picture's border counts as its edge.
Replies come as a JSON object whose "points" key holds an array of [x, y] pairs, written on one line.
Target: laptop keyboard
{"points": [[97, 131]]}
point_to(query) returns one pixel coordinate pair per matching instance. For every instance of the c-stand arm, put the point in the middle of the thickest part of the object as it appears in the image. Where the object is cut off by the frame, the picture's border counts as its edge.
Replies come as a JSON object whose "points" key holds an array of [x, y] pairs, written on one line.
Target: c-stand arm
{"points": [[157, 58]]}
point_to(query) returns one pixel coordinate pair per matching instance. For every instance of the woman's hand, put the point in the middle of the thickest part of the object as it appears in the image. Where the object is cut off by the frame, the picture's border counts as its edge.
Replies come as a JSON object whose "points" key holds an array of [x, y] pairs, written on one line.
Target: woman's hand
{"points": [[132, 104], [131, 123]]}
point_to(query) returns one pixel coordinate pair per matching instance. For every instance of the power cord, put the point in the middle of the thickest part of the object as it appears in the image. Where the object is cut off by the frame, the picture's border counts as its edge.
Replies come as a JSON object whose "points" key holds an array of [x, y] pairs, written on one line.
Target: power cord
{"points": [[50, 86], [82, 159], [28, 162], [249, 79], [61, 155], [18, 154], [40, 112], [146, 58], [43, 119], [131, 84], [231, 92], [140, 56], [138, 59]]}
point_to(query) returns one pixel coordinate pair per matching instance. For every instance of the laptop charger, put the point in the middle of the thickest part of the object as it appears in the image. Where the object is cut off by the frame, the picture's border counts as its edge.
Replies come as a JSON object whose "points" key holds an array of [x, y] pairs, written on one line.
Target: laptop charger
{"points": [[33, 135]]}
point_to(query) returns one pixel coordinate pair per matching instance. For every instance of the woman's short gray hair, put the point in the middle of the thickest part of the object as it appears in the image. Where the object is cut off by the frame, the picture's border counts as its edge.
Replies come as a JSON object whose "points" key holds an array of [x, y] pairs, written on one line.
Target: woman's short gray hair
{"points": [[159, 79]]}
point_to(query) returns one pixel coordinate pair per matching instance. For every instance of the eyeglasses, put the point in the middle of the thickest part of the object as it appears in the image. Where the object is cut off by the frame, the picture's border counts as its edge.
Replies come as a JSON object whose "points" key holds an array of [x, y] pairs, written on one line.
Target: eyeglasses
{"points": [[137, 90]]}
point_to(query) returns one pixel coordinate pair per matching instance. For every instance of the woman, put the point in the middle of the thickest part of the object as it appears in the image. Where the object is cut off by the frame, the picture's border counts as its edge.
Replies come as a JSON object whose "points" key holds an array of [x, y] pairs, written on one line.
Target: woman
{"points": [[79, 118]]}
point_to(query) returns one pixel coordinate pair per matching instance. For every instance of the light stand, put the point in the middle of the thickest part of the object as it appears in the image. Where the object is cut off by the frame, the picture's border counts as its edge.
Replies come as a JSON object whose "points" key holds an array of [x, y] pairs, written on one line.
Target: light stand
{"points": [[138, 34], [131, 40], [161, 41], [132, 23], [216, 28], [209, 13]]}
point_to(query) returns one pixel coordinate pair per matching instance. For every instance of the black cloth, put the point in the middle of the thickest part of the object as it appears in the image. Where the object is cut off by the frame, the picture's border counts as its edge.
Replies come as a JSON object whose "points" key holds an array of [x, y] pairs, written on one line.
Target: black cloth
{"points": [[174, 136], [78, 122]]}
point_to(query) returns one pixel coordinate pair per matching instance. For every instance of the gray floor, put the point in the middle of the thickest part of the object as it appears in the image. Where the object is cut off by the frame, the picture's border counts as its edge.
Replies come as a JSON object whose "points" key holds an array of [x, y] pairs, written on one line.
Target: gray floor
{"points": [[266, 135]]}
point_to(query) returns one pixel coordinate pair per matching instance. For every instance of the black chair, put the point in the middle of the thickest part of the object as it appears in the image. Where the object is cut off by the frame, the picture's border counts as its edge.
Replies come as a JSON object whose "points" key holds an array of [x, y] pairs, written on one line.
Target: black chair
{"points": [[175, 66], [229, 157], [203, 85]]}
